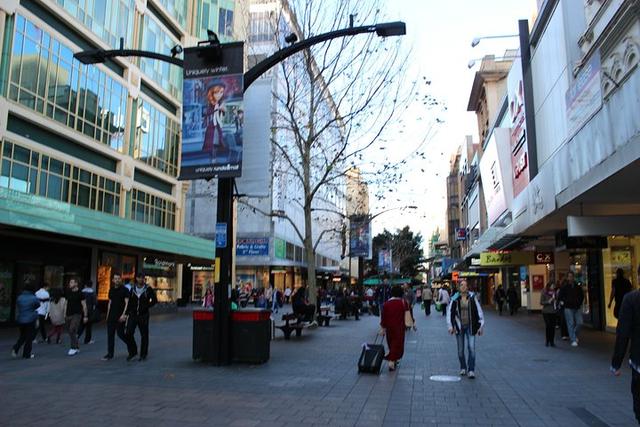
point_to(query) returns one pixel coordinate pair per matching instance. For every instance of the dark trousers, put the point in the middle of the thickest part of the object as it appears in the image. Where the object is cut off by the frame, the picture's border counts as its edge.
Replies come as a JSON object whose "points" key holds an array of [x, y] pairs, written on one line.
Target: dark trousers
{"points": [[307, 311], [42, 328], [85, 328], [513, 308], [564, 331], [27, 333], [444, 310], [500, 307], [550, 322], [114, 327], [427, 307], [635, 392], [142, 323]]}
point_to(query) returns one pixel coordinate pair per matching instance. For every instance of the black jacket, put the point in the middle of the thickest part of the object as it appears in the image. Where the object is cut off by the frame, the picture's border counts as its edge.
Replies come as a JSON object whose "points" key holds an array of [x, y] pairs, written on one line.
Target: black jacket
{"points": [[628, 329], [475, 313], [140, 306], [571, 296]]}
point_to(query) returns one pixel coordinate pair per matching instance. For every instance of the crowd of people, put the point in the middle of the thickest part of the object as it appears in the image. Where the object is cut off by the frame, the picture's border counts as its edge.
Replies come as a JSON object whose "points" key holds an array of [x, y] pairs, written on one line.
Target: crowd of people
{"points": [[46, 313]]}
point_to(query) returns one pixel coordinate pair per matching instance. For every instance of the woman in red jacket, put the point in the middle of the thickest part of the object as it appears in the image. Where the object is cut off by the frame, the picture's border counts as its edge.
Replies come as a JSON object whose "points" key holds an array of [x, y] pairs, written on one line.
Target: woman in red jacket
{"points": [[392, 324]]}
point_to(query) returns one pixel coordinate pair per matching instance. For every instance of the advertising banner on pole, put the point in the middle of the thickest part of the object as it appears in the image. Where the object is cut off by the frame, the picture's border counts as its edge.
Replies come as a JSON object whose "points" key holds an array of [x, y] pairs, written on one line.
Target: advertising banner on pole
{"points": [[385, 263], [212, 112], [359, 233]]}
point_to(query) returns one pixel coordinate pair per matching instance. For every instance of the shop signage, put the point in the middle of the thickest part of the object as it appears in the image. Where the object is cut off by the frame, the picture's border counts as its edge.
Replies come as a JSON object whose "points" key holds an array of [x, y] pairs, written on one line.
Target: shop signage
{"points": [[517, 114], [498, 259], [359, 236], [221, 235], [475, 261], [564, 241], [544, 257], [212, 112], [280, 248], [461, 234], [584, 98], [496, 181], [253, 247], [537, 282], [157, 267]]}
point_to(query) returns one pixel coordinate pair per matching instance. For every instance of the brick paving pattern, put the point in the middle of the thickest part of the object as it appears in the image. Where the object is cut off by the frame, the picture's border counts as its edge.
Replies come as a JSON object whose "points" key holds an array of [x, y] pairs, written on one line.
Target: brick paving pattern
{"points": [[314, 381]]}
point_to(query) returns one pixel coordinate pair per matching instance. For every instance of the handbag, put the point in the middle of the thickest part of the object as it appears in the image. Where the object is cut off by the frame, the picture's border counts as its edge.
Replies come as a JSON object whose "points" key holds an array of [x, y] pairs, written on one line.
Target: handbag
{"points": [[438, 306], [408, 320]]}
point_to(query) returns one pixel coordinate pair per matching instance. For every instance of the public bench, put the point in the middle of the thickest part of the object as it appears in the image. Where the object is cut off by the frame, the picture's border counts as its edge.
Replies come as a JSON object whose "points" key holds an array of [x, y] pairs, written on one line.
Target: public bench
{"points": [[324, 317], [292, 322]]}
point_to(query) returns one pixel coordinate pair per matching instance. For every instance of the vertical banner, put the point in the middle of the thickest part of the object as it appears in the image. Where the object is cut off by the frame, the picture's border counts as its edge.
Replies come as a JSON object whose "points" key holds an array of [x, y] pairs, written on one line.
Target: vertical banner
{"points": [[359, 236], [384, 261], [212, 112]]}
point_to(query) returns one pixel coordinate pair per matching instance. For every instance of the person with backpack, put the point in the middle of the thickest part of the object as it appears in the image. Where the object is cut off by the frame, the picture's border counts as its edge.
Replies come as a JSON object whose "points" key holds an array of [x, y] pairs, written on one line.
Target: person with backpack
{"points": [[26, 304], [466, 320], [142, 298], [57, 310], [92, 311]]}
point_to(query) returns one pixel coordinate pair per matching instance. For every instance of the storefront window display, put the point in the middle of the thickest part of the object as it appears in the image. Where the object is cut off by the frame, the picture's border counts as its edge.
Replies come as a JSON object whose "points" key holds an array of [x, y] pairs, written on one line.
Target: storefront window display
{"points": [[110, 263], [160, 274], [203, 278], [621, 254]]}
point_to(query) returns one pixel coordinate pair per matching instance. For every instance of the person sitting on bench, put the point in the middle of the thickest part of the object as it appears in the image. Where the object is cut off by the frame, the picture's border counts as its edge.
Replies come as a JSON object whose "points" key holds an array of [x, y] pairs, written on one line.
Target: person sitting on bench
{"points": [[300, 305]]}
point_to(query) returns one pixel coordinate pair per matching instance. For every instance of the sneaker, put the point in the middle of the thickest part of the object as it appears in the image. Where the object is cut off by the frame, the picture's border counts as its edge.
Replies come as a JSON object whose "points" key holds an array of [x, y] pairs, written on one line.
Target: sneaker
{"points": [[31, 356], [90, 342], [73, 352], [574, 344], [13, 353], [471, 375], [463, 372], [107, 357], [565, 338], [131, 356]]}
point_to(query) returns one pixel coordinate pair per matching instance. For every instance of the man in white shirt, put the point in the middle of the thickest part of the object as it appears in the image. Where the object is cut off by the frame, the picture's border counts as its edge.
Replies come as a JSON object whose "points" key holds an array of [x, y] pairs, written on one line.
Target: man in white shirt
{"points": [[43, 310]]}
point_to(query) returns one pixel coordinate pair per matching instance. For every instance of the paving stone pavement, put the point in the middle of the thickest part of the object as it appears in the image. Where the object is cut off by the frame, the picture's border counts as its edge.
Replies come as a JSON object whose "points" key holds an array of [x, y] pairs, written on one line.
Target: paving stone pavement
{"points": [[313, 381]]}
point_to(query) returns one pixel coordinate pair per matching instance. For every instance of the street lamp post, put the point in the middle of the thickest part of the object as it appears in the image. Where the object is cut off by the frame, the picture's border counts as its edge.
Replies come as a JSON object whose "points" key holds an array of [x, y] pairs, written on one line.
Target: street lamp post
{"points": [[226, 185], [476, 41]]}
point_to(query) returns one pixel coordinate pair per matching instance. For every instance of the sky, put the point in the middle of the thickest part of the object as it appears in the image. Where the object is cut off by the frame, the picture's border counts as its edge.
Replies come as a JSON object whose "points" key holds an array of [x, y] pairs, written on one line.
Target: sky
{"points": [[439, 34]]}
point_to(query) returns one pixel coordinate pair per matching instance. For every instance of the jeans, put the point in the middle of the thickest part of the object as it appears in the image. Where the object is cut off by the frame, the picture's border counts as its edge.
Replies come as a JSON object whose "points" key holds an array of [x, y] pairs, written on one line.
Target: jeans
{"points": [[635, 392], [73, 323], [444, 309], [471, 347], [550, 326], [27, 333], [113, 327], [142, 323], [574, 321]]}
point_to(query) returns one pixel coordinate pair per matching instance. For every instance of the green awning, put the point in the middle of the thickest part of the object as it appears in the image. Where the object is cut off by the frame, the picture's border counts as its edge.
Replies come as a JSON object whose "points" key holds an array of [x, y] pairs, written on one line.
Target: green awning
{"points": [[38, 213], [375, 281]]}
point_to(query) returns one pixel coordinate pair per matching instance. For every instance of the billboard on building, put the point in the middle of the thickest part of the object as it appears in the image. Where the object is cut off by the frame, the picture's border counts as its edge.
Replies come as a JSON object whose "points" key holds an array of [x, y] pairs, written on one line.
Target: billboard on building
{"points": [[517, 115], [494, 172], [254, 246], [359, 236], [584, 97], [212, 112]]}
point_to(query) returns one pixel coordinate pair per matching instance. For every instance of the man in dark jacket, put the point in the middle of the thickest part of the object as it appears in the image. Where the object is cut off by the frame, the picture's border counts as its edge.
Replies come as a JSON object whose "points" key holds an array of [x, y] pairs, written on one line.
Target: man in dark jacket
{"points": [[142, 298], [116, 316], [629, 330], [571, 298], [27, 304]]}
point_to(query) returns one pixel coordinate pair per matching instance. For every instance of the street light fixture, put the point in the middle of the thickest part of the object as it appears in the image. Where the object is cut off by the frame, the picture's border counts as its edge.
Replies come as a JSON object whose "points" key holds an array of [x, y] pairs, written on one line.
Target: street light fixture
{"points": [[476, 41], [472, 62]]}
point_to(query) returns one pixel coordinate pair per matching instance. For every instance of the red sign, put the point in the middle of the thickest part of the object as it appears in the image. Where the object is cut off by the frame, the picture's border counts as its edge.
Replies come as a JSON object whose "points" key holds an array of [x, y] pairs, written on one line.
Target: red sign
{"points": [[455, 276], [517, 113], [537, 282]]}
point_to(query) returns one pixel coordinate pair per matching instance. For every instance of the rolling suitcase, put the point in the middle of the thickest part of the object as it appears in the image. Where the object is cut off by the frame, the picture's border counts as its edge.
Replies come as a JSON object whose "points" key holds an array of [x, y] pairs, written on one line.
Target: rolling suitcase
{"points": [[371, 357]]}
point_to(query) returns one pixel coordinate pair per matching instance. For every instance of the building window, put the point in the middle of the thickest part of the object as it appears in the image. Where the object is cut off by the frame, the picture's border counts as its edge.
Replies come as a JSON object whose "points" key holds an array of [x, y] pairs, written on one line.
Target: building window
{"points": [[45, 78], [28, 171], [153, 210], [157, 138], [177, 9], [155, 38], [225, 22], [261, 27]]}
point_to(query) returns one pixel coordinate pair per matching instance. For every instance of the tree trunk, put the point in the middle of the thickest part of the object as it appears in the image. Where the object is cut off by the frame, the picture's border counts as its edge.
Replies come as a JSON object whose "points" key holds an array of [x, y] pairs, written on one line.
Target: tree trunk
{"points": [[311, 258]]}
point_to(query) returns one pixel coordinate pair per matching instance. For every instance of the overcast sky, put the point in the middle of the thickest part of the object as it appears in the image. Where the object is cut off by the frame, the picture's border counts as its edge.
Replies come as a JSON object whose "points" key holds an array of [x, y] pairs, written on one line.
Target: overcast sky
{"points": [[439, 33]]}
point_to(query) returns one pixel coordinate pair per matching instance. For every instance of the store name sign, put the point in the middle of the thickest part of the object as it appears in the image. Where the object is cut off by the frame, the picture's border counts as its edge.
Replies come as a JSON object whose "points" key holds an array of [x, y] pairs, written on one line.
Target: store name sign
{"points": [[253, 247], [498, 259], [544, 257]]}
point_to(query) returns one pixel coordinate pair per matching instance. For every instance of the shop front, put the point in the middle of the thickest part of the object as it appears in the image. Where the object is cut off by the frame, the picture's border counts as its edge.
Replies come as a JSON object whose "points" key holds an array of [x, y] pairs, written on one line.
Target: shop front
{"points": [[623, 253], [160, 274]]}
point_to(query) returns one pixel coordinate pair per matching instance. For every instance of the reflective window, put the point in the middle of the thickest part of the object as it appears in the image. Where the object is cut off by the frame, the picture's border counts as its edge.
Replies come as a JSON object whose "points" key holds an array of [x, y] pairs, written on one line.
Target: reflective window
{"points": [[157, 138], [28, 171], [212, 17], [156, 39], [46, 78], [108, 19], [225, 22], [152, 209], [177, 9]]}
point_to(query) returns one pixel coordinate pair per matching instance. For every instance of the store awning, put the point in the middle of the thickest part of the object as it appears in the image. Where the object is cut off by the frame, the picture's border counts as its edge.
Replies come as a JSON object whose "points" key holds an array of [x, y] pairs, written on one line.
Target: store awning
{"points": [[42, 215]]}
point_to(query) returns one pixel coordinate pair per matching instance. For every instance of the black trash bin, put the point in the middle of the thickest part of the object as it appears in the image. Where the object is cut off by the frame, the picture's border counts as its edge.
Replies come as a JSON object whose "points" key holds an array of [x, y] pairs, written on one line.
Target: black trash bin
{"points": [[251, 335], [203, 335]]}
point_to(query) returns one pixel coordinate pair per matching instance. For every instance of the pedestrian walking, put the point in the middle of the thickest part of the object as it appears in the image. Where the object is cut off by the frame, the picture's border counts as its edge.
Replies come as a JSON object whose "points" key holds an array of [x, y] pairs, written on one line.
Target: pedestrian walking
{"points": [[141, 299], [548, 303], [91, 302], [427, 299], [410, 298], [76, 313], [277, 300], [571, 298], [562, 323], [619, 288], [466, 320], [57, 310], [26, 305], [393, 326], [287, 295], [116, 316], [43, 310], [268, 295], [499, 297], [628, 330], [512, 300], [443, 299]]}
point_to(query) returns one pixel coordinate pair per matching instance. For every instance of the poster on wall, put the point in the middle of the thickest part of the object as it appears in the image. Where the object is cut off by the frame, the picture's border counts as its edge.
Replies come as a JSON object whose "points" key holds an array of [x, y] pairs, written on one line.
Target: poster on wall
{"points": [[584, 97], [517, 114], [212, 113], [202, 280], [537, 282], [246, 281]]}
